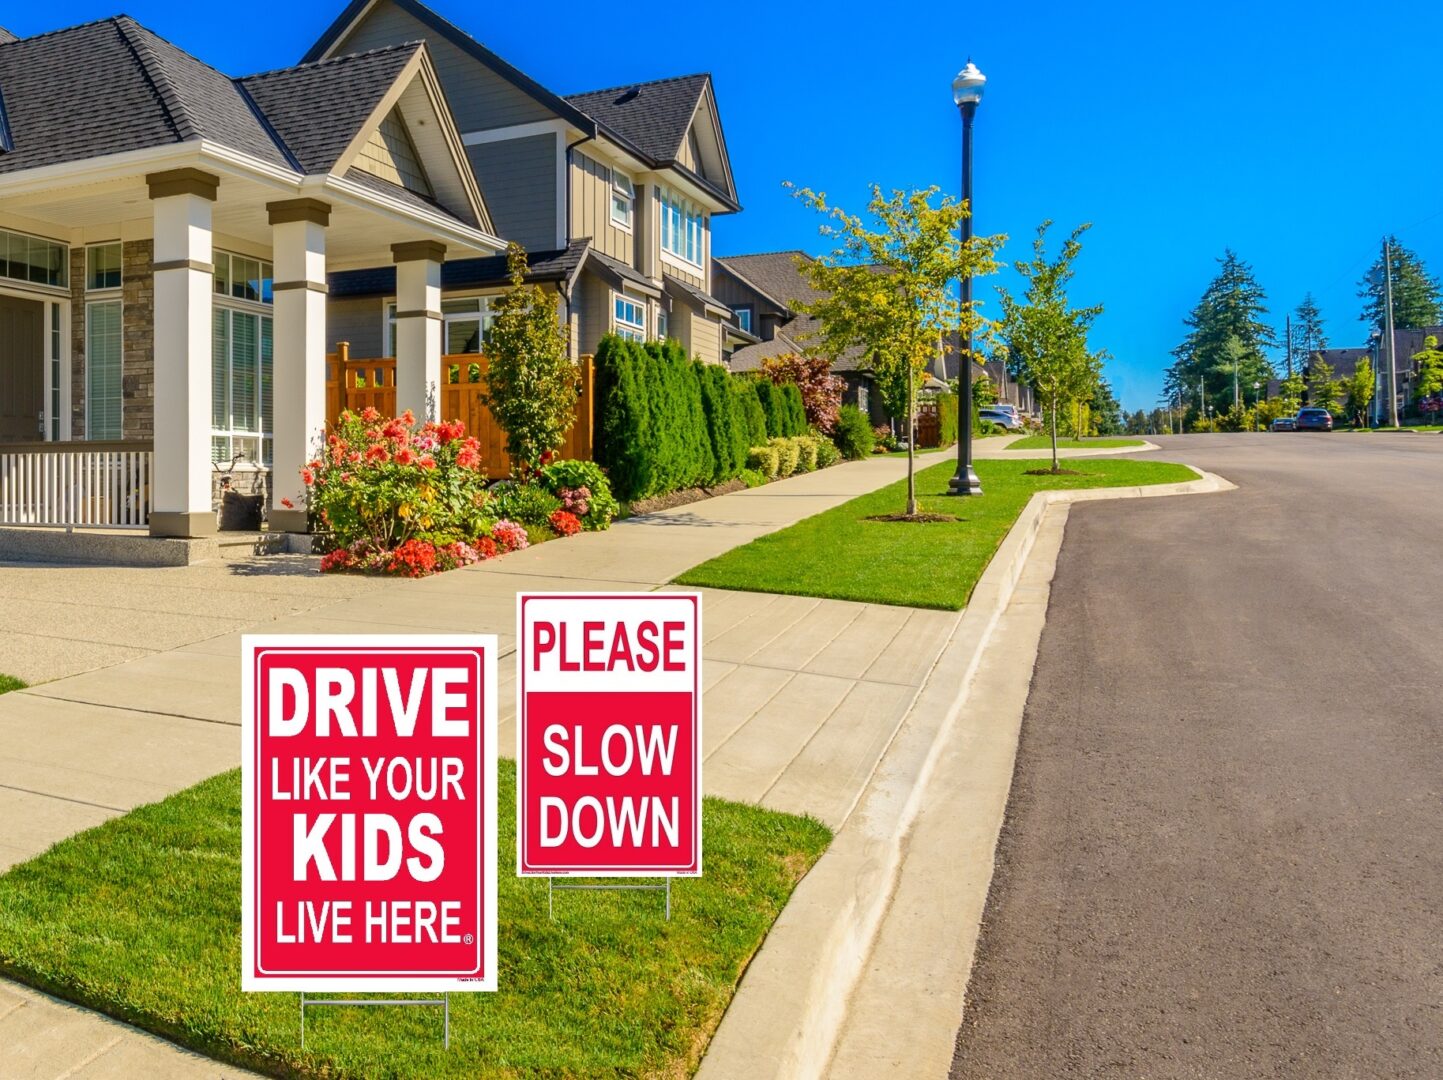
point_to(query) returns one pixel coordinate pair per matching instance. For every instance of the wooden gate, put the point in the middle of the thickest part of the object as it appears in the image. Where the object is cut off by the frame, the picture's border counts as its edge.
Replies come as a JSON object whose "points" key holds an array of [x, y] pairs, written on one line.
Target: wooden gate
{"points": [[359, 384], [929, 426]]}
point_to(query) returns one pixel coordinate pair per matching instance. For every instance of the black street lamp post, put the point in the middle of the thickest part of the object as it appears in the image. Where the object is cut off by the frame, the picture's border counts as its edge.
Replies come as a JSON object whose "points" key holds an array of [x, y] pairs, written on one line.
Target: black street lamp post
{"points": [[966, 92]]}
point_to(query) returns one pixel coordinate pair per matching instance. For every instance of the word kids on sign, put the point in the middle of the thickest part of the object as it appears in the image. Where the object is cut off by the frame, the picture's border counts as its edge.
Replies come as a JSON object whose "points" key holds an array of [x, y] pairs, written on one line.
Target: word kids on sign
{"points": [[608, 734], [369, 813]]}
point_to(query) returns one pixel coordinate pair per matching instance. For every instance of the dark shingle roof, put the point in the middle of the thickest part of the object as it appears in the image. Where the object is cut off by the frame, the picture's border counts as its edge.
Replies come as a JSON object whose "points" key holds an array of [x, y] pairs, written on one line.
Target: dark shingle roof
{"points": [[776, 276], [625, 272], [652, 116], [350, 87], [467, 273], [151, 94], [690, 293]]}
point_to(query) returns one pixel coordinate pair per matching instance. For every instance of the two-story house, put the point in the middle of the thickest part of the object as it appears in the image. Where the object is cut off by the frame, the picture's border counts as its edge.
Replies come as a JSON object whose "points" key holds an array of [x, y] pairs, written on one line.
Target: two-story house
{"points": [[762, 291], [611, 192]]}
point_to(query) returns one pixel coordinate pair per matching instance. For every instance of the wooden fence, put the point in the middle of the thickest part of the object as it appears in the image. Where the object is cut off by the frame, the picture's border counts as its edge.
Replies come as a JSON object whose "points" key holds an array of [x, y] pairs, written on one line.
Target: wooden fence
{"points": [[358, 384]]}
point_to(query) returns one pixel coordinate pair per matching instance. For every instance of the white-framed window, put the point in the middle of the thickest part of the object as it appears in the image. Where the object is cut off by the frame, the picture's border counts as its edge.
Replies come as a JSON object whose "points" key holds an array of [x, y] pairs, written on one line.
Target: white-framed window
{"points": [[623, 199], [242, 359], [629, 317], [242, 278], [744, 317], [29, 258], [682, 226], [663, 324], [103, 264], [104, 369], [466, 325]]}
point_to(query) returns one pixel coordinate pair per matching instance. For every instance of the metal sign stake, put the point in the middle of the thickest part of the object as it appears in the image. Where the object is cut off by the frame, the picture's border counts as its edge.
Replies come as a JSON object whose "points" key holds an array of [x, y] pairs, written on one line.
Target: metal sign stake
{"points": [[552, 889], [444, 1002]]}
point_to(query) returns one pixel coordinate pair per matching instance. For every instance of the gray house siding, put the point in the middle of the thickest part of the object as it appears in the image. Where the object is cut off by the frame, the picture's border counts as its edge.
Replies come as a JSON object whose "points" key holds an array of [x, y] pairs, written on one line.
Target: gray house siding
{"points": [[480, 99], [518, 181], [592, 303], [358, 321]]}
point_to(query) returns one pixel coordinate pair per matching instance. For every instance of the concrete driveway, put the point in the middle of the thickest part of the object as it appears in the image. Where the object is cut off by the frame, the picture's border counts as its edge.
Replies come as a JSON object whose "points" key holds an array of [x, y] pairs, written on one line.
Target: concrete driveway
{"points": [[1222, 852]]}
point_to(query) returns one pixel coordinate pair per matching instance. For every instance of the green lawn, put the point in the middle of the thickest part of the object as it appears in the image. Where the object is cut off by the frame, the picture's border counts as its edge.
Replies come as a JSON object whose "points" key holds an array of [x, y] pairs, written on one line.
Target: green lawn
{"points": [[10, 682], [140, 918], [841, 555], [1044, 442]]}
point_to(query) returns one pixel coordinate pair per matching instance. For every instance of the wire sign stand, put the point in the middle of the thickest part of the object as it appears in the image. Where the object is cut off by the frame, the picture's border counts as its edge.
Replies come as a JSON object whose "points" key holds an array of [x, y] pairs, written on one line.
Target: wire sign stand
{"points": [[444, 1002], [552, 889]]}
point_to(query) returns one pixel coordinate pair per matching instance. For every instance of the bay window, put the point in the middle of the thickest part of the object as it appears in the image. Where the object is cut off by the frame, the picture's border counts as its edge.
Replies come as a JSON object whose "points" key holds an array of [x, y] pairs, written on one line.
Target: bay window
{"points": [[681, 227]]}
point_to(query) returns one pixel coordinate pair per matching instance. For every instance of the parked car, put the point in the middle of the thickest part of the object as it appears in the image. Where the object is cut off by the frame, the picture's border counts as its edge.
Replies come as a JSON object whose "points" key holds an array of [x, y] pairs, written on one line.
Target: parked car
{"points": [[1001, 417], [1284, 423], [1313, 420]]}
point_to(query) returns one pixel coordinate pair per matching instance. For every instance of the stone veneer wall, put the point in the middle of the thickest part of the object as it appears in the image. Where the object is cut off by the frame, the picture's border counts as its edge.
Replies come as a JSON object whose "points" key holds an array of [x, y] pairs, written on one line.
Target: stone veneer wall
{"points": [[137, 297]]}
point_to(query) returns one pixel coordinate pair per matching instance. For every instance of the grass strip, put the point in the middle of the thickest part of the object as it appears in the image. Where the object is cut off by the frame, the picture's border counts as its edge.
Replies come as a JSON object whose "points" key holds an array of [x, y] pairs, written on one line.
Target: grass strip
{"points": [[1044, 442], [839, 554], [140, 918]]}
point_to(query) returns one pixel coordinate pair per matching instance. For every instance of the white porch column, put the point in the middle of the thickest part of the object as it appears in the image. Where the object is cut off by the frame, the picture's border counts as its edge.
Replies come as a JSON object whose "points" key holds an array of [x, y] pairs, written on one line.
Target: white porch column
{"points": [[182, 200], [299, 376], [418, 327]]}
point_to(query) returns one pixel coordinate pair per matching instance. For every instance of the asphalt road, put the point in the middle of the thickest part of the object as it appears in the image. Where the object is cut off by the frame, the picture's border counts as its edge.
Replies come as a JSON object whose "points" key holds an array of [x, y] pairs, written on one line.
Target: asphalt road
{"points": [[1224, 851]]}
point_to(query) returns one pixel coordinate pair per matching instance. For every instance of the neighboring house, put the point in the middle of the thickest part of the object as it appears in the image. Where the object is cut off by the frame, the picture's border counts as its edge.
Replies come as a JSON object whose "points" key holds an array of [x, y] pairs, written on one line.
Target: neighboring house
{"points": [[611, 192], [762, 291], [168, 231], [1009, 390]]}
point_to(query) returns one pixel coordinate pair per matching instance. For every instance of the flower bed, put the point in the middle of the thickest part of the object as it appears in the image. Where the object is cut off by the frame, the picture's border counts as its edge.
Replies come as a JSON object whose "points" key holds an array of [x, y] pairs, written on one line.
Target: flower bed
{"points": [[394, 497]]}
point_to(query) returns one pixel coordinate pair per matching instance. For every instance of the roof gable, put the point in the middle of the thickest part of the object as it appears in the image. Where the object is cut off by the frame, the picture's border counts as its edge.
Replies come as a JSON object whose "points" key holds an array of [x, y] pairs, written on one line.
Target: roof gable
{"points": [[154, 95], [334, 40], [6, 36]]}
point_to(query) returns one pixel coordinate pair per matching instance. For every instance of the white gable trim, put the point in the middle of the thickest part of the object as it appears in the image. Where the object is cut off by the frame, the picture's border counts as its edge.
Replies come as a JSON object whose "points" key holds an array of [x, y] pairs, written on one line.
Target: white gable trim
{"points": [[516, 131]]}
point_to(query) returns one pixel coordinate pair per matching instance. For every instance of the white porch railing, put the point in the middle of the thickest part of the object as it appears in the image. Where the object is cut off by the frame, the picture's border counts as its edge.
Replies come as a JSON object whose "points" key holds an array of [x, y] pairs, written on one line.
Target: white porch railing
{"points": [[85, 485]]}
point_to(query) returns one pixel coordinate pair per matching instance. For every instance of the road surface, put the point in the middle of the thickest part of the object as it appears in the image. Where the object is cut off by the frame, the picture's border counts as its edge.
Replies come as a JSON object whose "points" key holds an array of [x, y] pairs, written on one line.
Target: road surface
{"points": [[1224, 851]]}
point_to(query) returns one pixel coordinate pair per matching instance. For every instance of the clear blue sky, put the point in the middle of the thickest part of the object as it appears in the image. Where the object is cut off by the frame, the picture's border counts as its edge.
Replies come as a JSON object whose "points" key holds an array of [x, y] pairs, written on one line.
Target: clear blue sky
{"points": [[1296, 133]]}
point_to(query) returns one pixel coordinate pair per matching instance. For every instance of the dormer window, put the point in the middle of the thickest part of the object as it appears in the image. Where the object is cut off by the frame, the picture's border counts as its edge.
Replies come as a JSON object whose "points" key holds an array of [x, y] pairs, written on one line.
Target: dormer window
{"points": [[744, 317], [623, 199]]}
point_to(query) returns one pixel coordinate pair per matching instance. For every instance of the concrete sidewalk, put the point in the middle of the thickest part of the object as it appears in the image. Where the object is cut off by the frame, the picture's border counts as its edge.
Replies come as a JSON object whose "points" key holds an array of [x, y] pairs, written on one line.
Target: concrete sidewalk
{"points": [[802, 696]]}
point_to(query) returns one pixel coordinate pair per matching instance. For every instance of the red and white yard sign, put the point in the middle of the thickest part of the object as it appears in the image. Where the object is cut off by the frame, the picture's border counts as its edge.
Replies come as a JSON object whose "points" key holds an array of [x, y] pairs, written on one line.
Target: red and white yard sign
{"points": [[369, 812], [608, 734]]}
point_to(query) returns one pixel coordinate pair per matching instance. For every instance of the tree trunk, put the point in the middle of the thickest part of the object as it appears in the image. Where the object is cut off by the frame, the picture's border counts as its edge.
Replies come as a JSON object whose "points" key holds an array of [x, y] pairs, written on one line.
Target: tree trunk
{"points": [[911, 439], [1054, 435]]}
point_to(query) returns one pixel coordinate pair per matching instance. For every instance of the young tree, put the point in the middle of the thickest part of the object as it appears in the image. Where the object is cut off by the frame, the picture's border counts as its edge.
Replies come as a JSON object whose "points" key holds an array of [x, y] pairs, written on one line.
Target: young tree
{"points": [[1106, 410], [1430, 369], [1322, 390], [1358, 391], [1417, 296], [887, 288], [1292, 389], [1232, 307], [531, 382], [984, 391], [1047, 336]]}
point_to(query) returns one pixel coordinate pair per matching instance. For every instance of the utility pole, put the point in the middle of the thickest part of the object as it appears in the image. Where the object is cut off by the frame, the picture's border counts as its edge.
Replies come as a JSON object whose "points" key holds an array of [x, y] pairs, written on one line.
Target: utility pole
{"points": [[1289, 338], [1392, 351]]}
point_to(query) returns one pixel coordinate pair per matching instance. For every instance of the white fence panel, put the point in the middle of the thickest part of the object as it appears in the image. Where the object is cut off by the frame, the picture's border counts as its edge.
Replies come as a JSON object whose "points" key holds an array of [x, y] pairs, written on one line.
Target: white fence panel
{"points": [[80, 486]]}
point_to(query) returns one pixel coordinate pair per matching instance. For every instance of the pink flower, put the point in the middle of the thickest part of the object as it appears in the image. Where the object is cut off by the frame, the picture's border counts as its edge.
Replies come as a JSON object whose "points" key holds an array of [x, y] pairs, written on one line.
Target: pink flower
{"points": [[510, 536]]}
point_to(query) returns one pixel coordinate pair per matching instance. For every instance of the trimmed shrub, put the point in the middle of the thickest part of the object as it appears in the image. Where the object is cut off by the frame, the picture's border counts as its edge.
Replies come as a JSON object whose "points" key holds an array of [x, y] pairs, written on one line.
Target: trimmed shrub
{"points": [[526, 504], [807, 459], [827, 453], [765, 460], [947, 419], [584, 486], [754, 417], [794, 412], [789, 452], [726, 426], [625, 442], [773, 407], [853, 434], [821, 390]]}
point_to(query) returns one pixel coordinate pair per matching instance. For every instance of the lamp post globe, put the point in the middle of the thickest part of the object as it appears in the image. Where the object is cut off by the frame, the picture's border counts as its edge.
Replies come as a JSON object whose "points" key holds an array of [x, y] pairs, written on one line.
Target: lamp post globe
{"points": [[966, 93]]}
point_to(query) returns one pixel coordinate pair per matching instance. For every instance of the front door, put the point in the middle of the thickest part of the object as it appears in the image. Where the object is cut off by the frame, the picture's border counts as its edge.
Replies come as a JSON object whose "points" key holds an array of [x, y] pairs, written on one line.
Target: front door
{"points": [[22, 369]]}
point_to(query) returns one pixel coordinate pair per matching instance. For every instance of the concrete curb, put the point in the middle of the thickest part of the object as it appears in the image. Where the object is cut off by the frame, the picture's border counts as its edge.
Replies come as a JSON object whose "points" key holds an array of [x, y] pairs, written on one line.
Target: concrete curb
{"points": [[1006, 453], [787, 1015]]}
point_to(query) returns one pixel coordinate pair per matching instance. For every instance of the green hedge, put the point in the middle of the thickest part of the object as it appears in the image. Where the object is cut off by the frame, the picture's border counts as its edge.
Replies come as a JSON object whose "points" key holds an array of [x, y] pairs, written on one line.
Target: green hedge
{"points": [[665, 422], [947, 419]]}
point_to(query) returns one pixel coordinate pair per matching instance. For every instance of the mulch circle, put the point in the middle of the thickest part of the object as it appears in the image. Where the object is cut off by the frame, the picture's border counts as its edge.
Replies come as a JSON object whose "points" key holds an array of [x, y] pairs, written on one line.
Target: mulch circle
{"points": [[921, 519]]}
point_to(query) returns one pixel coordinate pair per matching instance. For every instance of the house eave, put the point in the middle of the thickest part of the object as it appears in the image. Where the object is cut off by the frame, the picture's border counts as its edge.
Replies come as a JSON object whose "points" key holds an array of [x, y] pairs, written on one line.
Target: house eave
{"points": [[440, 225]]}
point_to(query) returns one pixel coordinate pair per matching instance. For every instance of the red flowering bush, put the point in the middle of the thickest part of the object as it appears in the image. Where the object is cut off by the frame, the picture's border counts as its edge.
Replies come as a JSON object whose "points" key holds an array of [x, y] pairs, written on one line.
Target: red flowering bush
{"points": [[565, 523], [380, 482]]}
